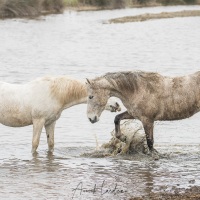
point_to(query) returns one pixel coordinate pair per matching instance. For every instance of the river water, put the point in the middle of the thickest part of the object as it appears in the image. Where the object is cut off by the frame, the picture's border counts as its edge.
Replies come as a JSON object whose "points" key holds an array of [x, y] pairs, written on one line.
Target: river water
{"points": [[81, 44]]}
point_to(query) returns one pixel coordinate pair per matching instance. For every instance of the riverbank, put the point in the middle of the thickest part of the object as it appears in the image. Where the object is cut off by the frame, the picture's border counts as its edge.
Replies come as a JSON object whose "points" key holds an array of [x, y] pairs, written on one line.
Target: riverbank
{"points": [[28, 8], [35, 8], [152, 16]]}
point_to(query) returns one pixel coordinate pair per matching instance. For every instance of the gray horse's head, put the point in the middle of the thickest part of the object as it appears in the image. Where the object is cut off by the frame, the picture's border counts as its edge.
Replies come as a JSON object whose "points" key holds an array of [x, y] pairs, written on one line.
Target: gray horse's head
{"points": [[98, 96]]}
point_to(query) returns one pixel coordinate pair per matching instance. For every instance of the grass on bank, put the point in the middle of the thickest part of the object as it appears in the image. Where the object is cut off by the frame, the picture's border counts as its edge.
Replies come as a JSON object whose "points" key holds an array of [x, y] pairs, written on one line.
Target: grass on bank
{"points": [[29, 8], [33, 8], [71, 3], [127, 3]]}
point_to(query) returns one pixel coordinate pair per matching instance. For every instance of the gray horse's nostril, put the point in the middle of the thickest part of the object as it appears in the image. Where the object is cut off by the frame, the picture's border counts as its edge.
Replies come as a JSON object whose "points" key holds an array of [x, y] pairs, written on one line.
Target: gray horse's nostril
{"points": [[93, 120]]}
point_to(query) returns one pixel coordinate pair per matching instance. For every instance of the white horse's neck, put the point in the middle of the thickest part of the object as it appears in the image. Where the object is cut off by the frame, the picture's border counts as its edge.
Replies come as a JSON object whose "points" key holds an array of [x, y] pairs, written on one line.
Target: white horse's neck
{"points": [[78, 95], [69, 92], [82, 100]]}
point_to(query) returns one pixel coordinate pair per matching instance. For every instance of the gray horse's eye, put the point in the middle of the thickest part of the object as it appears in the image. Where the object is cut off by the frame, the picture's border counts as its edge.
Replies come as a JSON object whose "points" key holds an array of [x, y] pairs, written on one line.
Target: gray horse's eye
{"points": [[90, 97]]}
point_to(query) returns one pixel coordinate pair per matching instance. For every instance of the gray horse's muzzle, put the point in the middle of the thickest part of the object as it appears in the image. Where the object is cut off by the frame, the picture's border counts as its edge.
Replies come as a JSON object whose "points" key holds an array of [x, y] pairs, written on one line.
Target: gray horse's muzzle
{"points": [[93, 120]]}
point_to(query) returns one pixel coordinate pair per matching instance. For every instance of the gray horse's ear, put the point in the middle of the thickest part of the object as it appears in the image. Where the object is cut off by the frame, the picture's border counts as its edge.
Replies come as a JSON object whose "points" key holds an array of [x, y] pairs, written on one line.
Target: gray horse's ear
{"points": [[88, 81]]}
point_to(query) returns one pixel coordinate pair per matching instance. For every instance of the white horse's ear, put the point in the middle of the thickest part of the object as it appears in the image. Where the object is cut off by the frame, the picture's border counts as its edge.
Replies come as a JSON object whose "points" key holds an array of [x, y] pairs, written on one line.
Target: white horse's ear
{"points": [[88, 81]]}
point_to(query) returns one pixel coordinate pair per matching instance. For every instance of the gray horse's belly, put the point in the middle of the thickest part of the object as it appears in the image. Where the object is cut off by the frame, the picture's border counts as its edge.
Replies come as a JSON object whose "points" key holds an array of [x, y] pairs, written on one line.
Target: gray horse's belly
{"points": [[177, 114]]}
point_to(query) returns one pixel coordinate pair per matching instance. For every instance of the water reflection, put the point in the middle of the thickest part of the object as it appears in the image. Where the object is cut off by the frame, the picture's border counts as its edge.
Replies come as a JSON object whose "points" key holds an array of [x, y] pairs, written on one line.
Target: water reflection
{"points": [[108, 175]]}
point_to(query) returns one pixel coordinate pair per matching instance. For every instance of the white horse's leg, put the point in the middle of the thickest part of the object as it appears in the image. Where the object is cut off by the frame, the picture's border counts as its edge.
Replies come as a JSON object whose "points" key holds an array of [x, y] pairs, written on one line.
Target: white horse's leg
{"points": [[37, 129], [50, 135]]}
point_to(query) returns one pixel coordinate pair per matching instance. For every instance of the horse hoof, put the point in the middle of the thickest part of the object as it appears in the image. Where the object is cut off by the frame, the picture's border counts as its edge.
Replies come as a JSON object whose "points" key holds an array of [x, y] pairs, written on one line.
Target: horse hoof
{"points": [[50, 150], [156, 157], [123, 138], [154, 154], [34, 153]]}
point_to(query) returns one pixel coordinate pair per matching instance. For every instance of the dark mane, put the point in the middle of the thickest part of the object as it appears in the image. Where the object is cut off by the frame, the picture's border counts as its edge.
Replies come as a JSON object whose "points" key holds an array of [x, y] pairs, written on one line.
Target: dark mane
{"points": [[131, 80], [123, 80]]}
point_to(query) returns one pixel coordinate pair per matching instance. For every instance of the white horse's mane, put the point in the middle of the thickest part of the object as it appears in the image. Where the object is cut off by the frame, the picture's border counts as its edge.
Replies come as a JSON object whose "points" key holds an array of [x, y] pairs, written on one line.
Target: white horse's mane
{"points": [[65, 88]]}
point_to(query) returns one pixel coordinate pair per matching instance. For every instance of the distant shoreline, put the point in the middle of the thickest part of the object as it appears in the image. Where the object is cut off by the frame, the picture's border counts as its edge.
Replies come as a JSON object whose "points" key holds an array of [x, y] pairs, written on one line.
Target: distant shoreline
{"points": [[25, 9], [152, 16], [82, 8]]}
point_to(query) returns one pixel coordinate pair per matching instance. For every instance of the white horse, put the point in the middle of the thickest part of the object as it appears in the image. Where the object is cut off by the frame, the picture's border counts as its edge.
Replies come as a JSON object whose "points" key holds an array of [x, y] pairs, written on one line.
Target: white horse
{"points": [[41, 102]]}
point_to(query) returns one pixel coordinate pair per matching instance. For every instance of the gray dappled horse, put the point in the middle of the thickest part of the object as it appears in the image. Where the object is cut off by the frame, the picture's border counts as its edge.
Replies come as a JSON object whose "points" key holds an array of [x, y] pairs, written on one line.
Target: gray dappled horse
{"points": [[147, 97]]}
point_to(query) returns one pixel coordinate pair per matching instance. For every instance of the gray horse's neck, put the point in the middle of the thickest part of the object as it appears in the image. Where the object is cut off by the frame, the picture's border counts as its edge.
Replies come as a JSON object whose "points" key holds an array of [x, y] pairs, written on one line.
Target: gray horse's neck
{"points": [[119, 94]]}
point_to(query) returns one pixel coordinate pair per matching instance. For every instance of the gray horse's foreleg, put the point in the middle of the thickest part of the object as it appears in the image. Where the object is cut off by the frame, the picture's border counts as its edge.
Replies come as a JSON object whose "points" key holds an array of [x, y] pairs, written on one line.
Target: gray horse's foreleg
{"points": [[148, 128], [50, 135], [118, 118], [37, 129]]}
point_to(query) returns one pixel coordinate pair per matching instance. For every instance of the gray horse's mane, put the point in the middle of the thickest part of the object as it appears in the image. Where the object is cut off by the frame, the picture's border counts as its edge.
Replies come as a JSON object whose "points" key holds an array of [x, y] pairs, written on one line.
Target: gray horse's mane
{"points": [[130, 80]]}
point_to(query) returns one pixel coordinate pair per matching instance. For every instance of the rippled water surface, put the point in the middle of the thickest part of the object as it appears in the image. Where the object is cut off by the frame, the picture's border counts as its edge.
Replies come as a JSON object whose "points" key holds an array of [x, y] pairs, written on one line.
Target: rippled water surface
{"points": [[82, 45]]}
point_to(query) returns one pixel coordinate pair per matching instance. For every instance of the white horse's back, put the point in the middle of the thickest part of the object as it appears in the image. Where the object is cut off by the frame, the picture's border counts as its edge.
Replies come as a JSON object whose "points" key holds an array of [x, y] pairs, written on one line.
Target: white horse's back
{"points": [[19, 103], [12, 107]]}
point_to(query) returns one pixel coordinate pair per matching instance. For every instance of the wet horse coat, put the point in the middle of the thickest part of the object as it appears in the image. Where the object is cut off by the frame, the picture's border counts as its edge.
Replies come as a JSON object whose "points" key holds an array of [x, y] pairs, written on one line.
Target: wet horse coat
{"points": [[147, 96], [41, 102]]}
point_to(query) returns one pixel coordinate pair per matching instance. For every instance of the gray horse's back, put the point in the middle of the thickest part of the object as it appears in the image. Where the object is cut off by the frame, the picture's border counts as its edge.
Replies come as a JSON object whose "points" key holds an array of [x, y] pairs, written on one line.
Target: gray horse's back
{"points": [[180, 98]]}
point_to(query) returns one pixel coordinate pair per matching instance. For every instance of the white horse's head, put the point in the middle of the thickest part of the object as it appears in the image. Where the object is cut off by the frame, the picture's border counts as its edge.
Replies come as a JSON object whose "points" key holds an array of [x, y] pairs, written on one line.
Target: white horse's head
{"points": [[112, 105], [97, 99]]}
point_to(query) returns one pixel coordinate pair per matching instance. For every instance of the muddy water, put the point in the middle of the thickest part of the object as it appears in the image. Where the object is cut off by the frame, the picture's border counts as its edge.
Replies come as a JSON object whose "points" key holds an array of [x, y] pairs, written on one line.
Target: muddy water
{"points": [[82, 45]]}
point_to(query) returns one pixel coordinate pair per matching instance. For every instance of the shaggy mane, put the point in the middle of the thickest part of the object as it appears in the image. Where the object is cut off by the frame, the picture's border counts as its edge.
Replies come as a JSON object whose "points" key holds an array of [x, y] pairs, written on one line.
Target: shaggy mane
{"points": [[131, 80], [66, 89]]}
